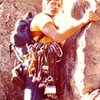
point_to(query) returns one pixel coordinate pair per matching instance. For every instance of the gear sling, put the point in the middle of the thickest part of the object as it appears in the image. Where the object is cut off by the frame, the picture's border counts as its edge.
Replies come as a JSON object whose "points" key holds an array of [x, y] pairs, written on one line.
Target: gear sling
{"points": [[41, 58]]}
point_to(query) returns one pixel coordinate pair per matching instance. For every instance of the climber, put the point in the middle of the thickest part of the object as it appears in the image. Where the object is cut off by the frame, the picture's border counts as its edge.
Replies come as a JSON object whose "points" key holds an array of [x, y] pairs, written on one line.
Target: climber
{"points": [[45, 31], [48, 38]]}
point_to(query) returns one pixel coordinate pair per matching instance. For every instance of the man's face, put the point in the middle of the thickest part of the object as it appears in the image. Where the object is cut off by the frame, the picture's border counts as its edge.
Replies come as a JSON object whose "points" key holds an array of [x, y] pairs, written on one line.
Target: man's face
{"points": [[53, 6]]}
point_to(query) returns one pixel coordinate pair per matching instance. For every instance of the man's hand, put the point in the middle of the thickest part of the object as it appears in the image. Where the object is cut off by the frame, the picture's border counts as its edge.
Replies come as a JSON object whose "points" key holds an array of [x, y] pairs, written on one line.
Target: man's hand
{"points": [[93, 17]]}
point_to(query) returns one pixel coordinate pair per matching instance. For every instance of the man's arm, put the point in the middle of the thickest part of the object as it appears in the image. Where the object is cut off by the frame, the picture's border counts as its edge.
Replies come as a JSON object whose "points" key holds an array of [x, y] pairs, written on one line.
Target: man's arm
{"points": [[51, 31]]}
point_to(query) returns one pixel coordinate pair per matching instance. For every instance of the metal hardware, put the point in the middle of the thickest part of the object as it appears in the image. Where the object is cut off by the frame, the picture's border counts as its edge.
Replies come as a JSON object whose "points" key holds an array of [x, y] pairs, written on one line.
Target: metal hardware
{"points": [[45, 69], [50, 80], [50, 91]]}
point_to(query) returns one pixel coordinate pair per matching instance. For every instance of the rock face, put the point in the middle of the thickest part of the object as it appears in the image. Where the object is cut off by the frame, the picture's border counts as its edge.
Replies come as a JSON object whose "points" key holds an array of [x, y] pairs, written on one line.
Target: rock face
{"points": [[81, 53], [10, 12]]}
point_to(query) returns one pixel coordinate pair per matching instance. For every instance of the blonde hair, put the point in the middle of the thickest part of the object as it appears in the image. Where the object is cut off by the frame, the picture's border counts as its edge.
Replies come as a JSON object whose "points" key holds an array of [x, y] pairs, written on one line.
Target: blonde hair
{"points": [[45, 2]]}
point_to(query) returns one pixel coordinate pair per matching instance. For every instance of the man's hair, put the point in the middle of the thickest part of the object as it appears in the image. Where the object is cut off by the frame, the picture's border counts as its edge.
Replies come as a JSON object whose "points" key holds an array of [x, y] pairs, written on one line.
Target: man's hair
{"points": [[45, 2]]}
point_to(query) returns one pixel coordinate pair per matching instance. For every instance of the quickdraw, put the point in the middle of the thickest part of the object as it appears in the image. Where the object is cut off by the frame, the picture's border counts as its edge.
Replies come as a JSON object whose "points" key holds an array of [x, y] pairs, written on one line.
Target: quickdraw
{"points": [[43, 62]]}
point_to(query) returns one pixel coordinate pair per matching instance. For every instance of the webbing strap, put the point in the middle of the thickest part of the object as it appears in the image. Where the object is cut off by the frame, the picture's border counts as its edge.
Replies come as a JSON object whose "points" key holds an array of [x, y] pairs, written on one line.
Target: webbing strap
{"points": [[10, 49], [66, 83], [41, 36]]}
